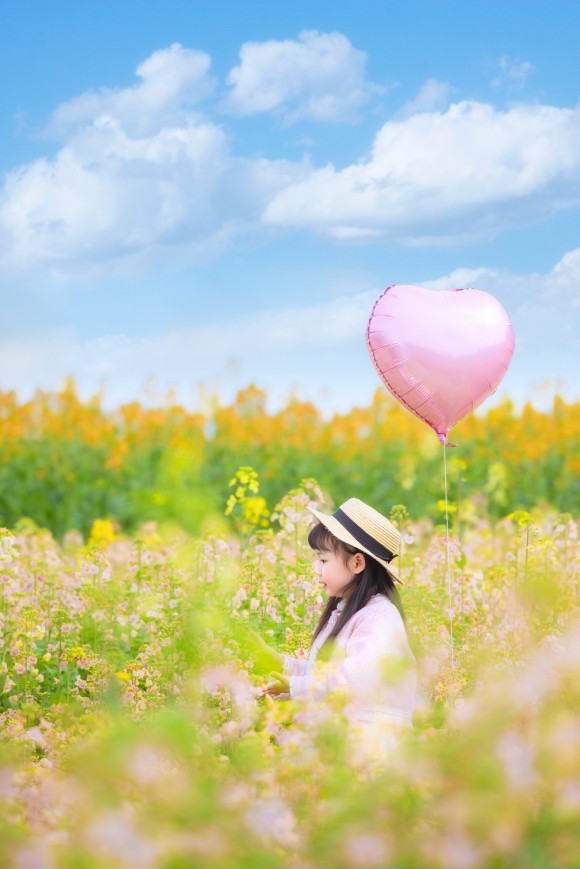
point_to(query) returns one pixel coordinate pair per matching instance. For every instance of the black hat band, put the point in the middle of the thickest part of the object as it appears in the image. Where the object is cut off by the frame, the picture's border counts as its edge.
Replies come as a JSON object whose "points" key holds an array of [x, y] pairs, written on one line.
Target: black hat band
{"points": [[361, 536]]}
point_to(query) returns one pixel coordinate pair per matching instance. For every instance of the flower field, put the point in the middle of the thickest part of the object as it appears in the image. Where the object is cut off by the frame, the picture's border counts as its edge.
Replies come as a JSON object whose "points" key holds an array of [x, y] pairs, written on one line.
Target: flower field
{"points": [[66, 461], [133, 733], [133, 730]]}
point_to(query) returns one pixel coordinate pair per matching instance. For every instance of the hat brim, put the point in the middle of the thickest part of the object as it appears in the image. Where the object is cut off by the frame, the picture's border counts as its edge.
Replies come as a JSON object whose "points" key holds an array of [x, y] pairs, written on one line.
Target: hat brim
{"points": [[339, 531]]}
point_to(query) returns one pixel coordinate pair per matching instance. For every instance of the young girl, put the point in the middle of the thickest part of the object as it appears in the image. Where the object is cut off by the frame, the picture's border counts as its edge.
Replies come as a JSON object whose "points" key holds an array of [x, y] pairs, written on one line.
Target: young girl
{"points": [[363, 623]]}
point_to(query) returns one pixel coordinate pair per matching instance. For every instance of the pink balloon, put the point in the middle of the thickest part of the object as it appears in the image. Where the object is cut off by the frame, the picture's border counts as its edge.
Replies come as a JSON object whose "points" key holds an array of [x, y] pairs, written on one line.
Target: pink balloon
{"points": [[440, 352]]}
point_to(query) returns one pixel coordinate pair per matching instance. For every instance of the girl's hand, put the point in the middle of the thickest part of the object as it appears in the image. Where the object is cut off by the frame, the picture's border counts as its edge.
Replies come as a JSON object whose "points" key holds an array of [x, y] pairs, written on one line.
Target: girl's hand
{"points": [[265, 658], [280, 685]]}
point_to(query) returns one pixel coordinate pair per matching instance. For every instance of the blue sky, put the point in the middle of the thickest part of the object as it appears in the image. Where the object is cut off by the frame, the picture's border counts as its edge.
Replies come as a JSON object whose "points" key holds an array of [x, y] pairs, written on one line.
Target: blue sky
{"points": [[202, 195]]}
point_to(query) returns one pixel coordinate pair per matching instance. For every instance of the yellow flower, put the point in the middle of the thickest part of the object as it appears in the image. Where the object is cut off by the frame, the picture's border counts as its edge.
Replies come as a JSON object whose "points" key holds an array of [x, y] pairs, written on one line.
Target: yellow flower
{"points": [[124, 677], [522, 517], [255, 510], [102, 532]]}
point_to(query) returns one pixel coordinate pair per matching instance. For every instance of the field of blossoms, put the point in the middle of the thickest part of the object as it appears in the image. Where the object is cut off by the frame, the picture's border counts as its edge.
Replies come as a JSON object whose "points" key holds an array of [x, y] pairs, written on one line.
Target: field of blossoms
{"points": [[67, 461], [133, 733]]}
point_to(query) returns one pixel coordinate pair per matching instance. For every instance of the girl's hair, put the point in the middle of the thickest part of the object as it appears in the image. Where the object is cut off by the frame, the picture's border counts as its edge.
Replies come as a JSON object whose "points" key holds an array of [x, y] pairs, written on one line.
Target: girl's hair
{"points": [[374, 579]]}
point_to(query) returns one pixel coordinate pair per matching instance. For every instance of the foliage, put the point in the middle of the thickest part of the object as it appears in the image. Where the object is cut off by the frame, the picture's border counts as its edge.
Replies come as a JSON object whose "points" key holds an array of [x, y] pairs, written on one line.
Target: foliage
{"points": [[66, 461]]}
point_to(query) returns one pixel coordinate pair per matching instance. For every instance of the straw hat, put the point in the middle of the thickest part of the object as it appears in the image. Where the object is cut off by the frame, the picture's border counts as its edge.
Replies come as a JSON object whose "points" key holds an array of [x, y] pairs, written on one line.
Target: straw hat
{"points": [[361, 526]]}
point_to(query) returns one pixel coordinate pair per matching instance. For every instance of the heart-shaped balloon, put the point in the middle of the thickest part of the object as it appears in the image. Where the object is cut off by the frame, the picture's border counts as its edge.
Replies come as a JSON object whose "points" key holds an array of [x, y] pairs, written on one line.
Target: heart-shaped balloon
{"points": [[440, 352]]}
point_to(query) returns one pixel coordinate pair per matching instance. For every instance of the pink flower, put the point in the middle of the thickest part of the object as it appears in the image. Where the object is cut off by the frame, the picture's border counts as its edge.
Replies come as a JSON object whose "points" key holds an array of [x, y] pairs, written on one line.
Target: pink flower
{"points": [[366, 850], [456, 851], [113, 834], [35, 735], [272, 819]]}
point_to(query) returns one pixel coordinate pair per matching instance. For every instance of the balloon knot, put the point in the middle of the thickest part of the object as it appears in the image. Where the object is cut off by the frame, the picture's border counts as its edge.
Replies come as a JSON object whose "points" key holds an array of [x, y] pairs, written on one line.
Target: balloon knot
{"points": [[443, 439]]}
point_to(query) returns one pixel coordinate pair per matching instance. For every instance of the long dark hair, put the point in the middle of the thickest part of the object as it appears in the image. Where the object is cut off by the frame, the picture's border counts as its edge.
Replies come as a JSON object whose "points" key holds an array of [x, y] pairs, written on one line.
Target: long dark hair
{"points": [[374, 579]]}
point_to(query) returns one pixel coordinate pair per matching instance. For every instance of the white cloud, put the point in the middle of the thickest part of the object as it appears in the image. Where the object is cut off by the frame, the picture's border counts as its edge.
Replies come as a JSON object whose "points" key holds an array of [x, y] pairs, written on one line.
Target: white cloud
{"points": [[171, 79], [277, 348], [318, 76], [432, 96], [513, 73], [445, 177], [139, 173], [143, 176], [560, 284], [320, 349]]}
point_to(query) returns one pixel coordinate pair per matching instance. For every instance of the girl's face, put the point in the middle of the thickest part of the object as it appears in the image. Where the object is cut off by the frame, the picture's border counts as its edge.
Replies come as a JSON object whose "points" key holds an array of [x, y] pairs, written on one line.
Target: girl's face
{"points": [[334, 573]]}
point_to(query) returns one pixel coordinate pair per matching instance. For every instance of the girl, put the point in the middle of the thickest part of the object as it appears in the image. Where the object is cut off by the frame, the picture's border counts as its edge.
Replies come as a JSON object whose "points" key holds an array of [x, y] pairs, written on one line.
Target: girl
{"points": [[361, 629]]}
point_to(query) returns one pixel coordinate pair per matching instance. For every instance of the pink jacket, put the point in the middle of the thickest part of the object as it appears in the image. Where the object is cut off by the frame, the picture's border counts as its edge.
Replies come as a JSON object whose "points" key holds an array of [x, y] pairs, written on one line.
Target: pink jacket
{"points": [[371, 661]]}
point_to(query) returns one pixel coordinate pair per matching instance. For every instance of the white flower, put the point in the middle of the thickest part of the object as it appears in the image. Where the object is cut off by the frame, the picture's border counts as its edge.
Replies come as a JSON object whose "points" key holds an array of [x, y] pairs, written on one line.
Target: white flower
{"points": [[8, 551]]}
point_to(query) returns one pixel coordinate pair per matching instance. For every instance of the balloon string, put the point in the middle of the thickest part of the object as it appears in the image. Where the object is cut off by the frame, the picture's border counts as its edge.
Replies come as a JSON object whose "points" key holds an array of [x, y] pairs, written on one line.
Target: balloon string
{"points": [[448, 568]]}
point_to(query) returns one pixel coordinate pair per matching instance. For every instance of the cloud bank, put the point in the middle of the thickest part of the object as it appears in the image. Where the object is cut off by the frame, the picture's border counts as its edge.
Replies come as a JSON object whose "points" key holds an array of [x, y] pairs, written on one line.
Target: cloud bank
{"points": [[321, 347], [139, 173], [441, 177], [149, 172]]}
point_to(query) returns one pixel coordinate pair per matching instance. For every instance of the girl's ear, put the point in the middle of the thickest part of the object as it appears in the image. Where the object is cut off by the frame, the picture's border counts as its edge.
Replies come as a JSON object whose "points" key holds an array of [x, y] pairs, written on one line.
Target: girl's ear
{"points": [[358, 562]]}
